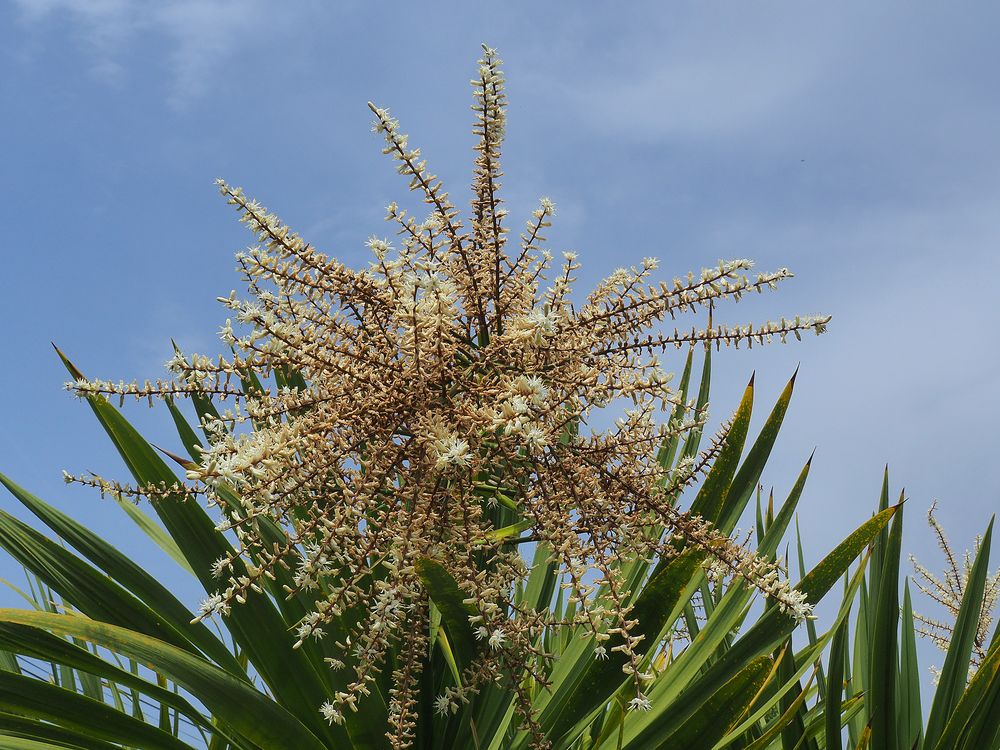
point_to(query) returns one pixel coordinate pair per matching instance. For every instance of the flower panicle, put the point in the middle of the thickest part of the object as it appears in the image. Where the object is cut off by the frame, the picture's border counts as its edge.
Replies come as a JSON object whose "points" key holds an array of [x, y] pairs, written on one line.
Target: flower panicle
{"points": [[406, 411]]}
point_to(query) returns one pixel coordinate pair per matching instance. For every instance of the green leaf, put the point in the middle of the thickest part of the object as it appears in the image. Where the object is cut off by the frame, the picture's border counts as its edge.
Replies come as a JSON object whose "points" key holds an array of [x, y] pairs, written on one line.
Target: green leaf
{"points": [[16, 728], [601, 678], [881, 696], [975, 722], [774, 626], [189, 438], [858, 682], [810, 655], [708, 503], [746, 479], [911, 720], [665, 456], [835, 688], [301, 683], [792, 722], [955, 671], [778, 524], [155, 532], [443, 590], [791, 712], [541, 580], [41, 700], [821, 578], [727, 616], [693, 439], [722, 711], [511, 530], [88, 590], [130, 575], [878, 551], [40, 644], [495, 712], [248, 712], [810, 624]]}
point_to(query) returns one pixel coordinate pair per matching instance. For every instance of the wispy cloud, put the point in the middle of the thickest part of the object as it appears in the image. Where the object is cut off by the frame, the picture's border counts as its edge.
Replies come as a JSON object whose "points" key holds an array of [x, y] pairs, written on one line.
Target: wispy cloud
{"points": [[750, 76], [685, 74], [200, 35]]}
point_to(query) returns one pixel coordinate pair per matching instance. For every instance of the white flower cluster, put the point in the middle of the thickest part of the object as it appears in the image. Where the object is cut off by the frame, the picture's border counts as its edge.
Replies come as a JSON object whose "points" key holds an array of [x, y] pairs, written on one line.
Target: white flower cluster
{"points": [[450, 451], [494, 638], [331, 713], [536, 326], [521, 412], [639, 703], [765, 577], [214, 604], [488, 92]]}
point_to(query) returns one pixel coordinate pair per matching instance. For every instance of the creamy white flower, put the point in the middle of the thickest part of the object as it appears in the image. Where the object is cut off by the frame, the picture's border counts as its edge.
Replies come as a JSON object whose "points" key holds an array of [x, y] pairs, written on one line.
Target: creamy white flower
{"points": [[380, 247], [536, 325], [794, 602], [497, 639], [451, 451], [442, 704], [331, 713], [535, 438], [639, 703], [226, 333], [213, 604], [530, 387]]}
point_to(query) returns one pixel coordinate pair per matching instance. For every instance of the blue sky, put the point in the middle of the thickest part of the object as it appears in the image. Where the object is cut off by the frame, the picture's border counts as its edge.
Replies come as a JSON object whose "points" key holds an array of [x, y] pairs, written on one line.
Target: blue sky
{"points": [[853, 142]]}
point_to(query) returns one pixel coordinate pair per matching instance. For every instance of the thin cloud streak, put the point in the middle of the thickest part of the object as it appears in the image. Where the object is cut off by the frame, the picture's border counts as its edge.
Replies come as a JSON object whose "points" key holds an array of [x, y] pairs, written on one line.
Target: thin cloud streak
{"points": [[202, 36]]}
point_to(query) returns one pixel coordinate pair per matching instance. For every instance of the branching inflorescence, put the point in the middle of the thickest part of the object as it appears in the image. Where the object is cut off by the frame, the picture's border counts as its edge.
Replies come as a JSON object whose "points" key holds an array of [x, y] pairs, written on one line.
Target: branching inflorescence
{"points": [[435, 405], [949, 591]]}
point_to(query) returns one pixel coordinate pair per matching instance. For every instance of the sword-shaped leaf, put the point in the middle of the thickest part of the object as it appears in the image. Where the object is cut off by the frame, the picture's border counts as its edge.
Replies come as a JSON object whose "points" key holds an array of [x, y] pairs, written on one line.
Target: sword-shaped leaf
{"points": [[250, 713]]}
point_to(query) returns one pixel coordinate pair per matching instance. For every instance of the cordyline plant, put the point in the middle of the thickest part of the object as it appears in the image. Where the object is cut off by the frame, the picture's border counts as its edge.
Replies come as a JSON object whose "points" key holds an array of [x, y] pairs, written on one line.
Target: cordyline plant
{"points": [[424, 538], [443, 410]]}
